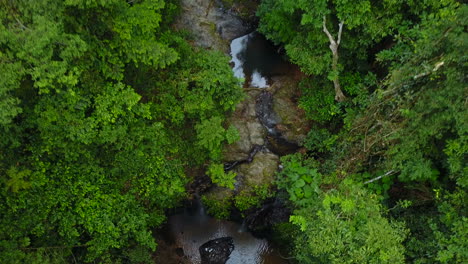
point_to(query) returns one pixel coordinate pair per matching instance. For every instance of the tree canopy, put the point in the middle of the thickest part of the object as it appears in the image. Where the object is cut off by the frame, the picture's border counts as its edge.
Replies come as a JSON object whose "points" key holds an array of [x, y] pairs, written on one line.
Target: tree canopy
{"points": [[400, 134], [103, 108]]}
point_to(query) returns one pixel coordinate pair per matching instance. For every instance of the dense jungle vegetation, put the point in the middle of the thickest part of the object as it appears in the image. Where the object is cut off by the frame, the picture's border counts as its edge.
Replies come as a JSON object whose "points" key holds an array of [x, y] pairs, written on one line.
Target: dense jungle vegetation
{"points": [[105, 107]]}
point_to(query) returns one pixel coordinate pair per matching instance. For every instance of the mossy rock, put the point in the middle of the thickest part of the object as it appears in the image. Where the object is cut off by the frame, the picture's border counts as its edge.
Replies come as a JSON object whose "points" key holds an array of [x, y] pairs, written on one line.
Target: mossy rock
{"points": [[294, 125], [218, 202], [260, 171]]}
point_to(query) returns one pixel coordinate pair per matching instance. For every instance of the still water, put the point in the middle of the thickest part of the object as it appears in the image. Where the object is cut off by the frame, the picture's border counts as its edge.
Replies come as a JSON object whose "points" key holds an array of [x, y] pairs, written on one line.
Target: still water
{"points": [[255, 59], [192, 228]]}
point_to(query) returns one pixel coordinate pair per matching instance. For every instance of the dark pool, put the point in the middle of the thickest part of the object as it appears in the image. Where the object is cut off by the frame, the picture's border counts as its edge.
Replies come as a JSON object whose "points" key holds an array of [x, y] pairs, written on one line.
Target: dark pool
{"points": [[193, 227], [256, 60]]}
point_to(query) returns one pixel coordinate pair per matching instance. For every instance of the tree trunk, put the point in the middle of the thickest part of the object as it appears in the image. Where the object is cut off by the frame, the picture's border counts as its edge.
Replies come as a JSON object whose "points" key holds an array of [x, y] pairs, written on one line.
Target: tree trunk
{"points": [[339, 96]]}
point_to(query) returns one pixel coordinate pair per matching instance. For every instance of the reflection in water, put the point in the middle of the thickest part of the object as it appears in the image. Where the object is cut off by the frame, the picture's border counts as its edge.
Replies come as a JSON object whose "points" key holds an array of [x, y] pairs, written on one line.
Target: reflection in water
{"points": [[255, 59], [192, 228]]}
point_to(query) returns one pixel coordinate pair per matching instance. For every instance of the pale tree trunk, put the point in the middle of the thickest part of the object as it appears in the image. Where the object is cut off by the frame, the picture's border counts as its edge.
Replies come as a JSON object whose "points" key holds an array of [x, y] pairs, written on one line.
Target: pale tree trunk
{"points": [[339, 96]]}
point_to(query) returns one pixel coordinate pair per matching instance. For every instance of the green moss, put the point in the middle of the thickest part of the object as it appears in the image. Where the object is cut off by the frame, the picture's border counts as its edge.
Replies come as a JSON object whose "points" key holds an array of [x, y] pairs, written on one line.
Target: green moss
{"points": [[252, 197], [219, 207]]}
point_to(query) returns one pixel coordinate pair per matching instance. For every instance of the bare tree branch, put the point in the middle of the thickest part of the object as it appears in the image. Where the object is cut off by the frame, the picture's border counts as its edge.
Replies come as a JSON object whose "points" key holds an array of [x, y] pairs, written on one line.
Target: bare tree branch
{"points": [[339, 96], [437, 66], [330, 37], [381, 176], [339, 32]]}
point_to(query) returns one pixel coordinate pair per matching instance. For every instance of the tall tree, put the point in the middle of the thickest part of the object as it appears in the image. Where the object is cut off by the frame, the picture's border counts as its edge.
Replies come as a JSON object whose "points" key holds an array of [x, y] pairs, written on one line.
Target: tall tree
{"points": [[305, 29]]}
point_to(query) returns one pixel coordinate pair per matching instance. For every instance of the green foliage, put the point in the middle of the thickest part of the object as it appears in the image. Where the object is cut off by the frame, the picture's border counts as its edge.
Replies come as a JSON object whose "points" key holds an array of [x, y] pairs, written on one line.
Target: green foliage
{"points": [[283, 233], [320, 140], [17, 180], [102, 108], [211, 134], [437, 232], [10, 73], [345, 225], [300, 179], [220, 177], [318, 102], [219, 207], [402, 66], [232, 134], [252, 197], [433, 112], [452, 232], [379, 187]]}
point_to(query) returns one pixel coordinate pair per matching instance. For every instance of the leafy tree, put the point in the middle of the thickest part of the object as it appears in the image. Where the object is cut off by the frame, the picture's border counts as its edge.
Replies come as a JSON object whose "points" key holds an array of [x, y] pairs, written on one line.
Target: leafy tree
{"points": [[412, 127], [339, 224], [98, 123], [309, 30]]}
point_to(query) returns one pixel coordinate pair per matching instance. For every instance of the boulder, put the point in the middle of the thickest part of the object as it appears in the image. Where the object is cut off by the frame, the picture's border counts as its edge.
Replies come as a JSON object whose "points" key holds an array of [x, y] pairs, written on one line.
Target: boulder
{"points": [[293, 125], [250, 129], [272, 212], [216, 251], [260, 171], [211, 26]]}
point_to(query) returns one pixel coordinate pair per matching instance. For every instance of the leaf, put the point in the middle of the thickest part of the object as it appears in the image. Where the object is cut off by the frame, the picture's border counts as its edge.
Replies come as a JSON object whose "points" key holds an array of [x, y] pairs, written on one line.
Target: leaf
{"points": [[299, 183], [308, 191]]}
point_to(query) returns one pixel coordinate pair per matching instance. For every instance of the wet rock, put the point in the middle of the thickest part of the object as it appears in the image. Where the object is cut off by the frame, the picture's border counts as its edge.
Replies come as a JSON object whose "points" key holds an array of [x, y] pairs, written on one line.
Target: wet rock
{"points": [[293, 125], [280, 146], [251, 133], [201, 183], [256, 133], [261, 170], [250, 129], [179, 251], [230, 26], [264, 111], [272, 212], [216, 251], [169, 253], [211, 26]]}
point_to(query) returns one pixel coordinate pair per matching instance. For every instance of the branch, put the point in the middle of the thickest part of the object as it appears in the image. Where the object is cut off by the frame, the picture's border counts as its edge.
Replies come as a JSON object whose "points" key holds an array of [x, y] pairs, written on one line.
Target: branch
{"points": [[20, 23], [339, 32], [437, 66], [330, 37], [381, 176]]}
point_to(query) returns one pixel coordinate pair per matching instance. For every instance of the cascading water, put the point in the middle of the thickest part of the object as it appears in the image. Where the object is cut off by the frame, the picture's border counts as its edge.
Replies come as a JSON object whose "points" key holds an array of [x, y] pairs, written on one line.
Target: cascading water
{"points": [[256, 60]]}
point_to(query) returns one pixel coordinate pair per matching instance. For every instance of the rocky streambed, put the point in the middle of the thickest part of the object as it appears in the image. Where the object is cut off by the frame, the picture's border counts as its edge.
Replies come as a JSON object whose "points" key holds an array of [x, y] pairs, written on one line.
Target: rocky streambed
{"points": [[270, 125]]}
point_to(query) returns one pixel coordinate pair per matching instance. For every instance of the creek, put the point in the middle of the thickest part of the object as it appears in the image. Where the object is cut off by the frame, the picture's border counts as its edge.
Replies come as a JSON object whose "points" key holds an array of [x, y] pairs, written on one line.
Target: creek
{"points": [[256, 60]]}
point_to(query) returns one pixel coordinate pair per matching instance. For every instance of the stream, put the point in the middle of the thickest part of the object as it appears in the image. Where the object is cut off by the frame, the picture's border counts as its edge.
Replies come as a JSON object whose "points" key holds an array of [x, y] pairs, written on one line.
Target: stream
{"points": [[256, 61]]}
